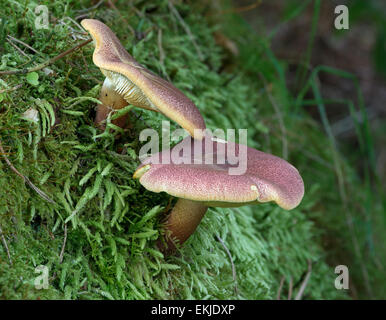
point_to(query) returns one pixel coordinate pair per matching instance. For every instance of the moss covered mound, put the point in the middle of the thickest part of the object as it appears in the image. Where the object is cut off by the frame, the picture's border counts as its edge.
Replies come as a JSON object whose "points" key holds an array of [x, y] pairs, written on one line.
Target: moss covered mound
{"points": [[98, 236]]}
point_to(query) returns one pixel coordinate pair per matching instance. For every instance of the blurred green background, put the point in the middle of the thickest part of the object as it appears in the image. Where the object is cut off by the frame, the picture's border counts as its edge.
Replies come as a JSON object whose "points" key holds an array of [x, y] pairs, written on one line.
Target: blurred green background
{"points": [[348, 100]]}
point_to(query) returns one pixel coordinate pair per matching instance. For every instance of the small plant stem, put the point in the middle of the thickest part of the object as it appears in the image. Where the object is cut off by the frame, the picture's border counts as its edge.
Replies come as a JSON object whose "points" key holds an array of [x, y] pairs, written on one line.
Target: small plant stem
{"points": [[46, 63]]}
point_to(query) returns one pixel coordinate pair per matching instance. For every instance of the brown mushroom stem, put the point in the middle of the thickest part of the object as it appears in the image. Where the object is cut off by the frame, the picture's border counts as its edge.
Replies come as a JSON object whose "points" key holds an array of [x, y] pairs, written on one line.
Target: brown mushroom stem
{"points": [[183, 221], [111, 100]]}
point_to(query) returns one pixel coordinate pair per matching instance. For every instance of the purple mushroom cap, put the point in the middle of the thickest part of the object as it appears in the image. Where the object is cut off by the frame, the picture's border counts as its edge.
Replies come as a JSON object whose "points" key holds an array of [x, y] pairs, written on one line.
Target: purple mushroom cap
{"points": [[265, 178]]}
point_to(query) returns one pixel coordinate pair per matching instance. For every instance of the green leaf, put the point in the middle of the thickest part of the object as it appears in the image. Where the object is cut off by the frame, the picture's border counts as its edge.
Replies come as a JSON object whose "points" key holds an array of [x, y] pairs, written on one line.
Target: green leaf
{"points": [[33, 78]]}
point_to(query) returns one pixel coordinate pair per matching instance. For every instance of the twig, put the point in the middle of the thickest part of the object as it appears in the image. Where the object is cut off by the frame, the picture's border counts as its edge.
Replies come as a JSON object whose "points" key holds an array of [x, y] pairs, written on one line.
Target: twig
{"points": [[161, 53], [280, 287], [37, 190], [232, 264], [11, 89], [249, 7], [24, 44], [20, 51], [64, 244], [48, 62], [82, 16], [240, 9], [91, 8], [5, 246], [305, 282], [290, 289], [187, 30], [17, 48], [161, 50], [76, 34]]}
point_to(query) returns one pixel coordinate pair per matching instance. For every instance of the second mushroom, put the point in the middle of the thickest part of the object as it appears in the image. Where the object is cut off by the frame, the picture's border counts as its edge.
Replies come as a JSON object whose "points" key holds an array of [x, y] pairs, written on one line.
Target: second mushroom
{"points": [[199, 183], [128, 82]]}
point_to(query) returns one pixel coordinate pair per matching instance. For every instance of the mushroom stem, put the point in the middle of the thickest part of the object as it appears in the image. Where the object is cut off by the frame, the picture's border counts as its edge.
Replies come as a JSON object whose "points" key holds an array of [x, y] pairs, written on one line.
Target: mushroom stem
{"points": [[183, 221], [111, 100]]}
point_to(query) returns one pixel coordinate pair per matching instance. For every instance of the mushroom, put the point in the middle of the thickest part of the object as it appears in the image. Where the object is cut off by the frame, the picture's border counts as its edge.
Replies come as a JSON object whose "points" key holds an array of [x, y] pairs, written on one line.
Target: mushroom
{"points": [[202, 184], [128, 82]]}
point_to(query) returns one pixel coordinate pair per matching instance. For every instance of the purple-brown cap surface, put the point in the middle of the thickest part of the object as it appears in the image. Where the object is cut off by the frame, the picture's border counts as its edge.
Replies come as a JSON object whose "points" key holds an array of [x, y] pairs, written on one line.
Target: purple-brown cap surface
{"points": [[138, 85], [266, 178]]}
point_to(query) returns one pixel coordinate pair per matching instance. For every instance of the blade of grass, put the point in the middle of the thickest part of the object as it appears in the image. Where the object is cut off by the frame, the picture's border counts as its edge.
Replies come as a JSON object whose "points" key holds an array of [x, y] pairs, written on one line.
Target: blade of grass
{"points": [[302, 71], [341, 185]]}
